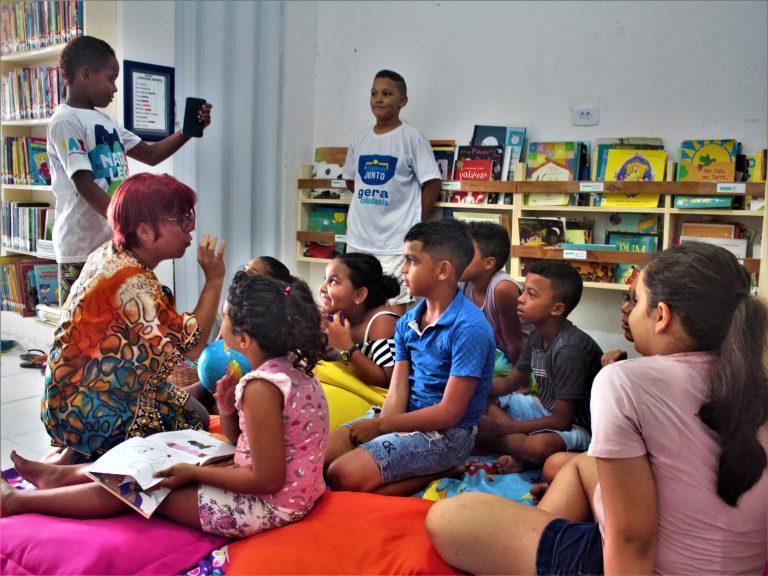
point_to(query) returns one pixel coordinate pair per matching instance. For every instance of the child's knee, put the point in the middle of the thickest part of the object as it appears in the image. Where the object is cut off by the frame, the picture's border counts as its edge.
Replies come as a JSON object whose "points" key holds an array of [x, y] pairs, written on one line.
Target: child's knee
{"points": [[343, 474]]}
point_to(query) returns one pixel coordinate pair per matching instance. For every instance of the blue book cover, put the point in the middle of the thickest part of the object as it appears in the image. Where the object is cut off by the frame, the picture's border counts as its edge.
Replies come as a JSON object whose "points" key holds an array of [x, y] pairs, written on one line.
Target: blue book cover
{"points": [[47, 282], [627, 242], [39, 173]]}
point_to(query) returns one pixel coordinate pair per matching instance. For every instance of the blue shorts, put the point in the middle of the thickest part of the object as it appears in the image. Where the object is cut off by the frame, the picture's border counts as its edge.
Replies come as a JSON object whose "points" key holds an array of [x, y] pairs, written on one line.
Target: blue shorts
{"points": [[403, 455], [527, 407], [573, 548]]}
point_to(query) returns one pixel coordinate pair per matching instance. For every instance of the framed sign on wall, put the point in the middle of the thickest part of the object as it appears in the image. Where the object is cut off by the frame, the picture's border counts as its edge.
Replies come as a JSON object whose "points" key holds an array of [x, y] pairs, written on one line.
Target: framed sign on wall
{"points": [[149, 104]]}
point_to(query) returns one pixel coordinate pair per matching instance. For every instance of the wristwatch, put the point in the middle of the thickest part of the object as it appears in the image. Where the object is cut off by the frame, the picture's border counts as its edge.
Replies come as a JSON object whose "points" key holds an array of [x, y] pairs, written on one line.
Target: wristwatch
{"points": [[346, 355]]}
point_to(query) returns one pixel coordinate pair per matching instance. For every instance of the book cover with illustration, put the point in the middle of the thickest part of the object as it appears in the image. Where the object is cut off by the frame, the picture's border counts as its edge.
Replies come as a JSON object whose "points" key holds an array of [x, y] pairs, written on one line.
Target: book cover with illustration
{"points": [[633, 222], [627, 165], [603, 145], [541, 231], [707, 160], [511, 138], [39, 172], [127, 469], [492, 154], [47, 282], [628, 242], [553, 161], [626, 273]]}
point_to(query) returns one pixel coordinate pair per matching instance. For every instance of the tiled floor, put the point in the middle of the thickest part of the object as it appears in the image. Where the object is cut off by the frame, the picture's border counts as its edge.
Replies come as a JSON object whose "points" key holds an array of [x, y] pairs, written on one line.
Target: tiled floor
{"points": [[20, 425]]}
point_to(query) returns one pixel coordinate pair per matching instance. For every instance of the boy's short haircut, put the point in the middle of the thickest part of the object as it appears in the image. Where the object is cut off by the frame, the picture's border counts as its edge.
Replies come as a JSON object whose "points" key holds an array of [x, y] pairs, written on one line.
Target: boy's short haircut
{"points": [[445, 239], [84, 51], [396, 78], [492, 240], [565, 281]]}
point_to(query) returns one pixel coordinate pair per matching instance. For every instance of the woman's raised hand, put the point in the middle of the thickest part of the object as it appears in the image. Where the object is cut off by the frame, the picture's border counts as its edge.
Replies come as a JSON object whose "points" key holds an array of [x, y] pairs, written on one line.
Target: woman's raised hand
{"points": [[211, 258]]}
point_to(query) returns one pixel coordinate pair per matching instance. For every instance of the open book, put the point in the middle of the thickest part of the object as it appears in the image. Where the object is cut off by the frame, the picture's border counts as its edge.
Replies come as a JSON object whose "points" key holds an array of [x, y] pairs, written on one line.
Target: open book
{"points": [[127, 469]]}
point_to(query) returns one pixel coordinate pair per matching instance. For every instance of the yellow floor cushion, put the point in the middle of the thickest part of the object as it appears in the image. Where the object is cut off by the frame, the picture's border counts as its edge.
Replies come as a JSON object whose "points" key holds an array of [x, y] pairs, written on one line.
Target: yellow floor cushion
{"points": [[348, 396]]}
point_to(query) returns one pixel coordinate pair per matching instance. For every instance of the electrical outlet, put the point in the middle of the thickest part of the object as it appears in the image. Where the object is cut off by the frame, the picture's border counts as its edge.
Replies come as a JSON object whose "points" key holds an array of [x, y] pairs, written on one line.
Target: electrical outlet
{"points": [[585, 116]]}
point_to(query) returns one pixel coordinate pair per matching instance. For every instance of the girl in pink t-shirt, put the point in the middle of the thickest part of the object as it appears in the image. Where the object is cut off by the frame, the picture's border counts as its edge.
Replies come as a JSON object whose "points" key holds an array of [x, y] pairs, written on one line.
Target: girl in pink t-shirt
{"points": [[277, 415], [676, 479]]}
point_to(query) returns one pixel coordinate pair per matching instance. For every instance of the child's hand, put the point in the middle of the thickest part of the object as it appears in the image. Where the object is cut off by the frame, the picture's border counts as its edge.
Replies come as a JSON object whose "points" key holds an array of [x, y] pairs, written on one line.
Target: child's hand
{"points": [[225, 393], [210, 258], [613, 356], [339, 332], [177, 475], [364, 430], [204, 114]]}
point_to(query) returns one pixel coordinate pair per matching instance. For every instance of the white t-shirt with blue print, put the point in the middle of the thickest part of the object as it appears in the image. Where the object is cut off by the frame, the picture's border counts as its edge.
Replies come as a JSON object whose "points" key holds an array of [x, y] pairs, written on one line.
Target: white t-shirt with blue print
{"points": [[82, 139], [389, 170]]}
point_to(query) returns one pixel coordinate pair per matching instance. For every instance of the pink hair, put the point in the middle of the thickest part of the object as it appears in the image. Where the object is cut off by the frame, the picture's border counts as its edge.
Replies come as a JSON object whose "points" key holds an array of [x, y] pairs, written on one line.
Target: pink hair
{"points": [[148, 198]]}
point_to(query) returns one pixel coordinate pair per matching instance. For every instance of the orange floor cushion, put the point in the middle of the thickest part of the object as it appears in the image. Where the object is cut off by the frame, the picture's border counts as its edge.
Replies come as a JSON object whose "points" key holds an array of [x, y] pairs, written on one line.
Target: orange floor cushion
{"points": [[345, 533]]}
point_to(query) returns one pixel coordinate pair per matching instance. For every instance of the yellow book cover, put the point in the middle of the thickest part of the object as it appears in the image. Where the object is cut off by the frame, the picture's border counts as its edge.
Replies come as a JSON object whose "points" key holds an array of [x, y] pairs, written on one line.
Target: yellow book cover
{"points": [[634, 166], [707, 160]]}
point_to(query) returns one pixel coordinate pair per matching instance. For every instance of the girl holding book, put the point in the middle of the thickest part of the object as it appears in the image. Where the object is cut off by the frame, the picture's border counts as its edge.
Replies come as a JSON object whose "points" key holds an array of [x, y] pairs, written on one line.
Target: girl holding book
{"points": [[277, 415]]}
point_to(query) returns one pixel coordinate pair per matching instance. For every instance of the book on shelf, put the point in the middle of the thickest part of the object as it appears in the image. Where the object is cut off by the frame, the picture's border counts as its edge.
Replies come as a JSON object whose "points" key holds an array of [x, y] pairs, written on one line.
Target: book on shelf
{"points": [[600, 272], [27, 282], [445, 153], [492, 154], [477, 216], [626, 273], [127, 469], [552, 161], [755, 166], [707, 160], [630, 165], [579, 230], [541, 231], [512, 138], [39, 172], [603, 145], [48, 314], [629, 242], [47, 282], [633, 222], [324, 170], [586, 246], [34, 25], [736, 246], [711, 229], [702, 202]]}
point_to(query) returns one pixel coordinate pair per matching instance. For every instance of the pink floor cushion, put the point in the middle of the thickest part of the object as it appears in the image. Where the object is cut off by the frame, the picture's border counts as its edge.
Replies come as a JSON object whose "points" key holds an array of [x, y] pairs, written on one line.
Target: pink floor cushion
{"points": [[125, 544]]}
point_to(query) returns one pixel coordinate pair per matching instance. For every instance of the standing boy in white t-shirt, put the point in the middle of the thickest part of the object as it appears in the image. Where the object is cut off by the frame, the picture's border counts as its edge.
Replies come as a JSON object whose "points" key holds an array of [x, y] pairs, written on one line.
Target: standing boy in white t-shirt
{"points": [[393, 176], [87, 151]]}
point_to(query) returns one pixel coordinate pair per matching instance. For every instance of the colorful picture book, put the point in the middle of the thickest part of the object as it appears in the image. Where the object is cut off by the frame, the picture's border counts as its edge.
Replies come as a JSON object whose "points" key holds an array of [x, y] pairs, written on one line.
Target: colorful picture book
{"points": [[707, 160], [603, 145], [541, 231], [510, 137], [736, 246], [626, 165], [553, 161], [445, 154], [628, 242], [39, 172], [704, 202], [47, 282], [633, 222], [492, 154], [127, 469]]}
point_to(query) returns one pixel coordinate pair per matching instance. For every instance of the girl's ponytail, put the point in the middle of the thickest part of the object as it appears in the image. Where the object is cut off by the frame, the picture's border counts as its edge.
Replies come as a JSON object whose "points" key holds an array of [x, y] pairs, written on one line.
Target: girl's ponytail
{"points": [[738, 403]]}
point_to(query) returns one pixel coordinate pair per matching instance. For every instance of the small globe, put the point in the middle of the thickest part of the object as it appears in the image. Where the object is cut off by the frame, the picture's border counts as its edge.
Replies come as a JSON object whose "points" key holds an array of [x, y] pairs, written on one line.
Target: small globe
{"points": [[213, 363]]}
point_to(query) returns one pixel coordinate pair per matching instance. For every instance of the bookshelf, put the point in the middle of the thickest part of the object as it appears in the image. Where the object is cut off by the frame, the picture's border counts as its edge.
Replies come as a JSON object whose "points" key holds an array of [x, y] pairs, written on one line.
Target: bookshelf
{"points": [[670, 218], [51, 23]]}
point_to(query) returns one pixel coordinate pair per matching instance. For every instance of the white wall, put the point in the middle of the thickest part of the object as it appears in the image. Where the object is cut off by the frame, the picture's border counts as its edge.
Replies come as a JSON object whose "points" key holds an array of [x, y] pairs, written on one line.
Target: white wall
{"points": [[145, 33], [671, 69]]}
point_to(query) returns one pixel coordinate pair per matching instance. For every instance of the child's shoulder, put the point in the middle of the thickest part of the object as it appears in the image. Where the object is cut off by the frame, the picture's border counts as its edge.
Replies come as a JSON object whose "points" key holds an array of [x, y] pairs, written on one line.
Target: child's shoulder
{"points": [[571, 337]]}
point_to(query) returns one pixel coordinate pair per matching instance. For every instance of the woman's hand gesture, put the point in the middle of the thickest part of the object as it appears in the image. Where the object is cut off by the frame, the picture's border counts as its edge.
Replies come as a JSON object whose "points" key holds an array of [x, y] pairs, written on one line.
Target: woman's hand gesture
{"points": [[211, 258]]}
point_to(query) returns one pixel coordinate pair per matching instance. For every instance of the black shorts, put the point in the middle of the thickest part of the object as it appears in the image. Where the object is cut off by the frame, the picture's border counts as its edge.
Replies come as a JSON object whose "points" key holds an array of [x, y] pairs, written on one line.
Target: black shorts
{"points": [[573, 548]]}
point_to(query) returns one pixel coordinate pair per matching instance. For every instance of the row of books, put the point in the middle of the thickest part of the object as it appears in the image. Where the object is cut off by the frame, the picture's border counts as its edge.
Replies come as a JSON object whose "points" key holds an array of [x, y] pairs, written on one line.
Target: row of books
{"points": [[30, 25], [25, 224], [27, 283], [25, 161], [31, 93]]}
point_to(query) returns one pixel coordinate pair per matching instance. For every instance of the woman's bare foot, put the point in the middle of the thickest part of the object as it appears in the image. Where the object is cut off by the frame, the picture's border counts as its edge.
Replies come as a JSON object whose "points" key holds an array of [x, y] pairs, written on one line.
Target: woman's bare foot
{"points": [[7, 499], [43, 475], [506, 464]]}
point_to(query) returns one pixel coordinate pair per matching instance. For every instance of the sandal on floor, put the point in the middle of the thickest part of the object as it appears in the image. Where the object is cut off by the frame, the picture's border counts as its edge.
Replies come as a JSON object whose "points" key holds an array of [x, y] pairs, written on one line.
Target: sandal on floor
{"points": [[36, 362], [31, 354]]}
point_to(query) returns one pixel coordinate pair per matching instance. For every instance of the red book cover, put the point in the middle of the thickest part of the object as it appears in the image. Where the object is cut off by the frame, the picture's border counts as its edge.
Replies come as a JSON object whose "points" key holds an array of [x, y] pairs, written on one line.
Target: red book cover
{"points": [[473, 170]]}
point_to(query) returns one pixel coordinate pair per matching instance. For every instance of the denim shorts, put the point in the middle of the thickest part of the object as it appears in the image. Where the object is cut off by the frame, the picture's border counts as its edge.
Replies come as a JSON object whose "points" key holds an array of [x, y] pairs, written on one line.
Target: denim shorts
{"points": [[526, 407], [573, 548], [403, 455]]}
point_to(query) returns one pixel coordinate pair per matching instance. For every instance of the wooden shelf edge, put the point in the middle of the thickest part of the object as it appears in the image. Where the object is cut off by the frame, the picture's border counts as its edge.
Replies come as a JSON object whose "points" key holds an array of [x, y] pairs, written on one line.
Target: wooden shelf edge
{"points": [[610, 256], [324, 237]]}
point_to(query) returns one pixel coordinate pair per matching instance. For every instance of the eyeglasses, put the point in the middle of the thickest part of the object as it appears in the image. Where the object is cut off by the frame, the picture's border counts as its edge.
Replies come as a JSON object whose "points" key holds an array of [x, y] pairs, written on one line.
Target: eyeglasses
{"points": [[186, 221]]}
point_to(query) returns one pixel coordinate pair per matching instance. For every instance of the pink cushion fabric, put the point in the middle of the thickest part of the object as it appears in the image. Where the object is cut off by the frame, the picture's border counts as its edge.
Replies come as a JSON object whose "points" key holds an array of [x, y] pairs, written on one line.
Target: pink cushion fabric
{"points": [[126, 544]]}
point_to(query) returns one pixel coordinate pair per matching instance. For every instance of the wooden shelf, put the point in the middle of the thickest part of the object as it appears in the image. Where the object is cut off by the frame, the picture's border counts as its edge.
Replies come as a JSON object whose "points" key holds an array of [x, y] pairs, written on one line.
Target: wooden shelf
{"points": [[323, 237], [38, 122], [609, 256], [28, 187], [34, 56]]}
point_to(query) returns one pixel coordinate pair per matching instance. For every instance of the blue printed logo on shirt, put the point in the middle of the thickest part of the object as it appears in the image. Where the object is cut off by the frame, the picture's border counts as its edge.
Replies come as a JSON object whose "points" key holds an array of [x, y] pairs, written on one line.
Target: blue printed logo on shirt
{"points": [[376, 170], [108, 157]]}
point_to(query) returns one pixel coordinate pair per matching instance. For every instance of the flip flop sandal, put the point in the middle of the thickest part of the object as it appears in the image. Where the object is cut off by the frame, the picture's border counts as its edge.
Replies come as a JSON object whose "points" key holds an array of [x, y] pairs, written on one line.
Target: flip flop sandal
{"points": [[31, 354], [6, 345], [36, 362]]}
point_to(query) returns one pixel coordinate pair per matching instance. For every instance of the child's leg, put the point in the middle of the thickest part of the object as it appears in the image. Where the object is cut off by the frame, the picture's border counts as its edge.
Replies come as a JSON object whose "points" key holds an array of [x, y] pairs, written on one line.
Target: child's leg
{"points": [[571, 492], [181, 506], [339, 443], [527, 450], [413, 485], [45, 475], [80, 501], [487, 534], [355, 471]]}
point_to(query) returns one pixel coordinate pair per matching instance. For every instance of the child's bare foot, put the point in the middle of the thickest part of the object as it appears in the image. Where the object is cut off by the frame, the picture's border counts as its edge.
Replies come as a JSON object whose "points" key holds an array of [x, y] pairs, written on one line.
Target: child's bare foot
{"points": [[538, 491], [7, 499], [506, 464], [38, 474]]}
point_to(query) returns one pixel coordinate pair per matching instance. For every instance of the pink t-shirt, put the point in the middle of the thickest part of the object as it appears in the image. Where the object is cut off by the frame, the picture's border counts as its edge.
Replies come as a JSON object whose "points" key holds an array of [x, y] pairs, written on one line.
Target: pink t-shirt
{"points": [[649, 406], [305, 420]]}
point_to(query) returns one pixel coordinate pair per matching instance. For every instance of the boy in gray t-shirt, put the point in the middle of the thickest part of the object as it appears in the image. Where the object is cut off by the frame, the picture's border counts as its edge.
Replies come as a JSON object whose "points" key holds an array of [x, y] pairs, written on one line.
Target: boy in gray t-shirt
{"points": [[564, 360]]}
